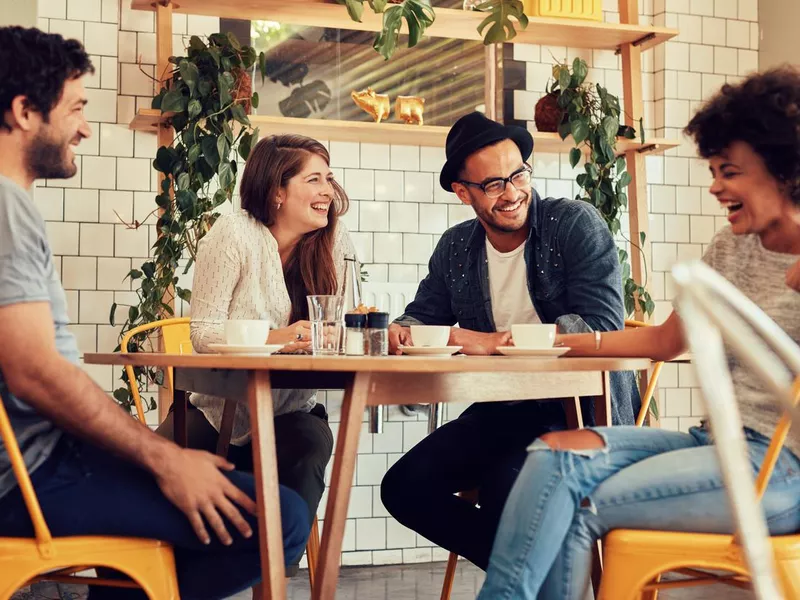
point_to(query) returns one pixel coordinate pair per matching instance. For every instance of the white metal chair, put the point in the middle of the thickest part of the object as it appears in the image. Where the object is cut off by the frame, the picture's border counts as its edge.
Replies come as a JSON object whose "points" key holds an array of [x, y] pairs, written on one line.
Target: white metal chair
{"points": [[714, 311]]}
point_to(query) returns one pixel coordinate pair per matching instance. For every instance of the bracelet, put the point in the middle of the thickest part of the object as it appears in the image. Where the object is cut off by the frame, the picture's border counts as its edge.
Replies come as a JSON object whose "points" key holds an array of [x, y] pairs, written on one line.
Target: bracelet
{"points": [[597, 339]]}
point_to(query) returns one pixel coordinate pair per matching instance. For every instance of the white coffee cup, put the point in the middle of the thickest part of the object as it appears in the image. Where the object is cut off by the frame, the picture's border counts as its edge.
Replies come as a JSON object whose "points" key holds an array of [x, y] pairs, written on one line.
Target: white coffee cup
{"points": [[244, 332], [533, 336], [435, 336]]}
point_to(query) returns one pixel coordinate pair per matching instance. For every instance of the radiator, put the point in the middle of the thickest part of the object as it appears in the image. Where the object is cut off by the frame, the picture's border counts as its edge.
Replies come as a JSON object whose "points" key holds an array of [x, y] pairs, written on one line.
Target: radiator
{"points": [[388, 297]]}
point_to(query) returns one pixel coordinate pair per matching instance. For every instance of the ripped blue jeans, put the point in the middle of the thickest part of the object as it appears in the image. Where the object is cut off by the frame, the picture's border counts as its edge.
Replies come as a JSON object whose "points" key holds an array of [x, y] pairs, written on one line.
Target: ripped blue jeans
{"points": [[642, 479]]}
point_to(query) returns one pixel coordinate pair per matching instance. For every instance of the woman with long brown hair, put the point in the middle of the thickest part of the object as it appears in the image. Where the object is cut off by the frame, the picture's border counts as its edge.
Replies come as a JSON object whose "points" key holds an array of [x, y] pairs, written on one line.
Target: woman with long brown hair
{"points": [[261, 261]]}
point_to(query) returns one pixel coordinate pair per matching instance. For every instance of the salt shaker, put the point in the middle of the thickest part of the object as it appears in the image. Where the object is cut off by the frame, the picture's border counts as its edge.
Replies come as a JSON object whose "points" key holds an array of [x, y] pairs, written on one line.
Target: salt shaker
{"points": [[354, 340], [378, 333]]}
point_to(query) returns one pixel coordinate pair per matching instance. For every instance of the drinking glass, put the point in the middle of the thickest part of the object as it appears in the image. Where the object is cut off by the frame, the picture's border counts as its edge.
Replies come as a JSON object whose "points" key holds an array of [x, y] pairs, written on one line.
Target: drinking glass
{"points": [[326, 314]]}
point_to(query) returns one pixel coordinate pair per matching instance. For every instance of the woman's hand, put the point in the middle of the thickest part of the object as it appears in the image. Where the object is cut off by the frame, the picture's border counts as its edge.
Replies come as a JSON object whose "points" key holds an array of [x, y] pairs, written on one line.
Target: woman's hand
{"points": [[296, 336], [793, 276]]}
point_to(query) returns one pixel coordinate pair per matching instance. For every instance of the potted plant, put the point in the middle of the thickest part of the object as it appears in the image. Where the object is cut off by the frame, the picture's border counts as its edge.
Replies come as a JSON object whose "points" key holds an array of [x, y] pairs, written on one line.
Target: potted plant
{"points": [[208, 99], [591, 115]]}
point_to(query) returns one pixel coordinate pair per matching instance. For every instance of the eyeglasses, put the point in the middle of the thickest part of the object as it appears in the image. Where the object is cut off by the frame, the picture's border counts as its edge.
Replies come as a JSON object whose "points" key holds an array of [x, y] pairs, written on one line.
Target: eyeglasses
{"points": [[494, 188]]}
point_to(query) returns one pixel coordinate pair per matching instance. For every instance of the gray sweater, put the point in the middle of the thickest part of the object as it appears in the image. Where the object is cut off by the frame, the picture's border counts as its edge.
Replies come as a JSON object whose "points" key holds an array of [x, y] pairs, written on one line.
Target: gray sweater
{"points": [[760, 274]]}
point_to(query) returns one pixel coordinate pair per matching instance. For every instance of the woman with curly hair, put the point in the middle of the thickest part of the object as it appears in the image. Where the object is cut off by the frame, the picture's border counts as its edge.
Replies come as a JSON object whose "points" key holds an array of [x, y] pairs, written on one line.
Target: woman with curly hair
{"points": [[576, 486]]}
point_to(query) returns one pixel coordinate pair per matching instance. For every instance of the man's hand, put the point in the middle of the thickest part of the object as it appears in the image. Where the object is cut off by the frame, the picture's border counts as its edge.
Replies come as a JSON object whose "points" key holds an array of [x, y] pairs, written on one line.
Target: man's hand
{"points": [[193, 481], [793, 276], [398, 336], [478, 343]]}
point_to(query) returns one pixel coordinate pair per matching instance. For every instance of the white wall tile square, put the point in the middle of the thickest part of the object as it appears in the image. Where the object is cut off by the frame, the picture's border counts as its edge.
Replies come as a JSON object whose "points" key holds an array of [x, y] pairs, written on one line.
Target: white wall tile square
{"points": [[676, 228], [359, 184], [79, 273], [146, 48], [94, 307], [136, 80], [738, 34], [345, 154], [374, 216], [726, 61], [404, 217], [102, 106], [726, 8], [110, 11], [107, 337], [69, 29], [432, 218], [417, 248], [97, 239], [440, 196], [713, 31], [133, 173], [116, 205], [112, 273], [84, 10], [370, 469], [363, 243], [360, 502], [130, 242], [691, 28], [748, 61], [431, 159], [688, 201], [701, 58], [108, 72], [404, 158], [458, 213], [677, 56], [81, 205], [126, 47], [389, 185], [403, 274], [418, 187], [101, 38], [85, 336], [370, 534], [375, 156], [52, 9], [50, 202], [63, 237], [136, 20], [116, 140], [389, 248], [126, 109]]}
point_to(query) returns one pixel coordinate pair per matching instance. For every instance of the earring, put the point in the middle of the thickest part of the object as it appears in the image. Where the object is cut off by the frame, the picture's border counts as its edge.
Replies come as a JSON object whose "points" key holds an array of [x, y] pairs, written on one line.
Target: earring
{"points": [[279, 205]]}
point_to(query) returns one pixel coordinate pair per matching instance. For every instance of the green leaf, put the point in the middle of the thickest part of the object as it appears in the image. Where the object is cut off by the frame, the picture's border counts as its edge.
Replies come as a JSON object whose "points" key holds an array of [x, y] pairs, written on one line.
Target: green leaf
{"points": [[225, 82], [355, 8], [226, 176], [306, 100], [574, 157], [122, 395], [166, 157], [195, 108], [254, 100], [173, 101], [219, 197], [223, 147], [564, 130], [183, 181], [133, 313], [245, 145], [134, 274], [234, 41], [378, 6], [196, 44], [112, 315], [210, 153], [186, 202], [184, 294], [193, 154], [579, 71], [190, 75], [563, 78], [625, 179], [642, 237], [610, 126], [238, 113], [149, 269], [619, 165], [579, 130], [499, 20]]}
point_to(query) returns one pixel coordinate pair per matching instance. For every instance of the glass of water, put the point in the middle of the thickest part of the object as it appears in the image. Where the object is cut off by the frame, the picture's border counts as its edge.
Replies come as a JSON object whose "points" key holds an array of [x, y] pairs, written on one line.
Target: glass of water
{"points": [[326, 314]]}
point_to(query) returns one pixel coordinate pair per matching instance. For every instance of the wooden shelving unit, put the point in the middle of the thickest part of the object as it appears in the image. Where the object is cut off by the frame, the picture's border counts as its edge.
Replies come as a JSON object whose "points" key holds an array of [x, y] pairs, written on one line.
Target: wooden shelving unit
{"points": [[387, 133], [450, 23]]}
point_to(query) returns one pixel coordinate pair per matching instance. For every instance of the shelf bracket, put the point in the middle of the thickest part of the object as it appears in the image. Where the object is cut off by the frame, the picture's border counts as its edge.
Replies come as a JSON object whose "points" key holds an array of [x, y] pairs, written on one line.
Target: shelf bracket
{"points": [[639, 42]]}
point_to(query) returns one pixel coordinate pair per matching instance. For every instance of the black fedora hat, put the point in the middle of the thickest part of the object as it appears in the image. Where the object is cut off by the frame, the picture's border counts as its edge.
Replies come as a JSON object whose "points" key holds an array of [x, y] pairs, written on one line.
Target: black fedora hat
{"points": [[473, 132]]}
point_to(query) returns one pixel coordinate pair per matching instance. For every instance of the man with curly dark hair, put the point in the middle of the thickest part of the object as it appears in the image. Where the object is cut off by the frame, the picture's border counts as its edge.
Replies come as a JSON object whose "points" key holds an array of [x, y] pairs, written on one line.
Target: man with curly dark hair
{"points": [[96, 470], [577, 486]]}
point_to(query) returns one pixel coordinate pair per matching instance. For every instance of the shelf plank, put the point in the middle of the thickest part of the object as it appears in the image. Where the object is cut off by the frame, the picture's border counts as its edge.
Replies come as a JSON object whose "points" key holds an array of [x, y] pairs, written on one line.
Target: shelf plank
{"points": [[450, 22], [389, 133]]}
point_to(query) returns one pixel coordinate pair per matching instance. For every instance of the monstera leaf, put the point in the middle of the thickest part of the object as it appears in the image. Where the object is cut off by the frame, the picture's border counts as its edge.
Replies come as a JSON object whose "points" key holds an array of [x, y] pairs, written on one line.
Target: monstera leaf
{"points": [[305, 100], [501, 27], [285, 72], [418, 14]]}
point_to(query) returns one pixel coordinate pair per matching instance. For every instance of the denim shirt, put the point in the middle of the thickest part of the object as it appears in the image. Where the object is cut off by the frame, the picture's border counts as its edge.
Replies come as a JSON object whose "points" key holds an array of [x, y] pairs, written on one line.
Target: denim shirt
{"points": [[574, 280]]}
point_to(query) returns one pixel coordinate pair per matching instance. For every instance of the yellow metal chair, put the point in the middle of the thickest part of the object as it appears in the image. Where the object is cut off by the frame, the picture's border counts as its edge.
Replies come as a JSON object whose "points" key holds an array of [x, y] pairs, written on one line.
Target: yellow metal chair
{"points": [[149, 563], [452, 559], [177, 340]]}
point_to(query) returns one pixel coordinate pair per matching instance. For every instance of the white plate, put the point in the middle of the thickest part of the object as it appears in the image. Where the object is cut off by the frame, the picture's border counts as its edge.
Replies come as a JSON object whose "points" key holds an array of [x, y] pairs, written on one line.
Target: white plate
{"points": [[429, 350], [540, 352], [236, 349]]}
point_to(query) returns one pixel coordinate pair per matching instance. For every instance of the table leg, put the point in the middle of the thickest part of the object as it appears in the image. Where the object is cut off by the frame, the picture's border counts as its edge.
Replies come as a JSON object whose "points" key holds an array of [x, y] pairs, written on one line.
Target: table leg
{"points": [[265, 469], [226, 428], [435, 416], [181, 403], [344, 464], [602, 403]]}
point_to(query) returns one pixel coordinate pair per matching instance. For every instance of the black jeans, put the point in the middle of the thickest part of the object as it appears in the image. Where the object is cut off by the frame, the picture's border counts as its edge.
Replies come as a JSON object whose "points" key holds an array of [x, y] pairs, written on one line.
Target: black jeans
{"points": [[483, 449], [304, 444]]}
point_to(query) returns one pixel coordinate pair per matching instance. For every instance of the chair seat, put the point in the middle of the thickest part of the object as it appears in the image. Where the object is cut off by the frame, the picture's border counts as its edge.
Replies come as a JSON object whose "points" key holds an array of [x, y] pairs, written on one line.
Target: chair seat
{"points": [[150, 563], [634, 558]]}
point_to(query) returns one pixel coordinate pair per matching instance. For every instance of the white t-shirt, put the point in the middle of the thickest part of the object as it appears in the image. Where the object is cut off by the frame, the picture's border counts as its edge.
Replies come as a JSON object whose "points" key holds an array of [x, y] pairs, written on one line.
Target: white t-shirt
{"points": [[508, 285]]}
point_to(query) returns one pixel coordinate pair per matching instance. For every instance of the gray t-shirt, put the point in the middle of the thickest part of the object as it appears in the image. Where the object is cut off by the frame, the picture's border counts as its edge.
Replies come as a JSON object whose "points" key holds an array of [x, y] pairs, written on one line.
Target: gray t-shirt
{"points": [[761, 275], [27, 275]]}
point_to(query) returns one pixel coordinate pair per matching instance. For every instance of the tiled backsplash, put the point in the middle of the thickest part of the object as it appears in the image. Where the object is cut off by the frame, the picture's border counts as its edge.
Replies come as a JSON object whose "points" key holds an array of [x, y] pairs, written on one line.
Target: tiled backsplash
{"points": [[397, 209]]}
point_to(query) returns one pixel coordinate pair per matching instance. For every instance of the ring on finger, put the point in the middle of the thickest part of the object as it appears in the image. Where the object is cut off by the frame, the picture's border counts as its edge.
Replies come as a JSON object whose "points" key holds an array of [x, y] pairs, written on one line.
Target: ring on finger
{"points": [[299, 336]]}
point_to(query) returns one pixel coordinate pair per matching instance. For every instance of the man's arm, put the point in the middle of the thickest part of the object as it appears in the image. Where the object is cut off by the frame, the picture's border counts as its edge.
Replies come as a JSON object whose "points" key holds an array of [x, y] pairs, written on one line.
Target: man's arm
{"points": [[593, 274], [36, 373]]}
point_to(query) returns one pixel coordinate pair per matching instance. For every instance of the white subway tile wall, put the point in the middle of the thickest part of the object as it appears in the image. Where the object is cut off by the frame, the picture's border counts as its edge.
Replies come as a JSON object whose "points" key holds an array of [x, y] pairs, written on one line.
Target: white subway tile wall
{"points": [[398, 210]]}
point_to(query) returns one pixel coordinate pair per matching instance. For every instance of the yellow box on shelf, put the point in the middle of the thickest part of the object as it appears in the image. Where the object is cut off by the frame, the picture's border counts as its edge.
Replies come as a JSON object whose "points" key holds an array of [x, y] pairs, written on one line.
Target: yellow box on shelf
{"points": [[591, 10]]}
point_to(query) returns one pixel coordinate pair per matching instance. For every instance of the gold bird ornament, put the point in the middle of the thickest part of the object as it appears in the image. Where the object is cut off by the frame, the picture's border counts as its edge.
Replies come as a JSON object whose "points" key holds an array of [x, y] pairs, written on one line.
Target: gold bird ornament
{"points": [[409, 109], [376, 105]]}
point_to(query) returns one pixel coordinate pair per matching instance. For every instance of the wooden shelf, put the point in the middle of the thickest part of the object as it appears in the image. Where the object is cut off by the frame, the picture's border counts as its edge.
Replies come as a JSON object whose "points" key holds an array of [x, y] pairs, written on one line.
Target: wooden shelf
{"points": [[449, 23], [388, 133]]}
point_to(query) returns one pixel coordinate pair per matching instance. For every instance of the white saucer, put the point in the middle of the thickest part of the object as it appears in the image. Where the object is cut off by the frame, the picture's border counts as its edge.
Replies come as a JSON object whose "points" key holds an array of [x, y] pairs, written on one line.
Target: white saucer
{"points": [[429, 350], [540, 352], [237, 349]]}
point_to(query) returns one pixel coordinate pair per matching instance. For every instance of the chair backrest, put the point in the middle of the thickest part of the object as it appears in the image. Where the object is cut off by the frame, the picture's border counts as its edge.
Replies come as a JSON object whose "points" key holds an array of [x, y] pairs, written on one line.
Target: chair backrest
{"points": [[647, 397], [43, 536], [714, 311], [176, 339]]}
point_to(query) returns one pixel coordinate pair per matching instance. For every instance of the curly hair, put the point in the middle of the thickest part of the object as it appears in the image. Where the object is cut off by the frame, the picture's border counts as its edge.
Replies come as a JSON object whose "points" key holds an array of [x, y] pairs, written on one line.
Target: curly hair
{"points": [[763, 111], [36, 65]]}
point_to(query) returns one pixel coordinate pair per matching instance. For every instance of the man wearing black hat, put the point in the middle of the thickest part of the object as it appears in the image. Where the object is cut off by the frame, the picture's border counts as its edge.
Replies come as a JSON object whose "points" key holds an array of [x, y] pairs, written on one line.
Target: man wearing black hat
{"points": [[524, 259]]}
